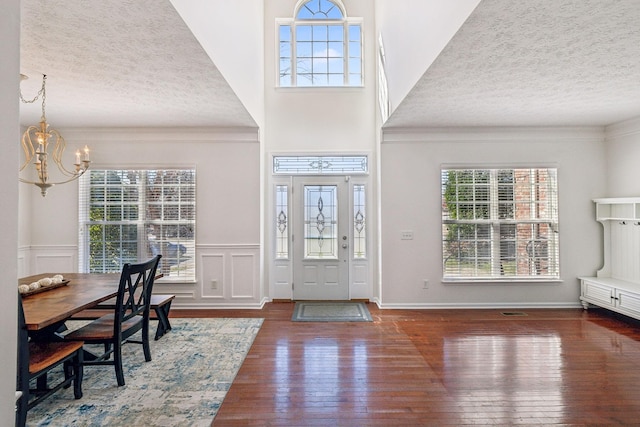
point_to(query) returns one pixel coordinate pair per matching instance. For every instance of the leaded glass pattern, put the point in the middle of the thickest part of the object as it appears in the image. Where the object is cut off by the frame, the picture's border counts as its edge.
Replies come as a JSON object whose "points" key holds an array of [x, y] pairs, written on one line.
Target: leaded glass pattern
{"points": [[320, 165], [320, 222], [282, 222], [359, 222]]}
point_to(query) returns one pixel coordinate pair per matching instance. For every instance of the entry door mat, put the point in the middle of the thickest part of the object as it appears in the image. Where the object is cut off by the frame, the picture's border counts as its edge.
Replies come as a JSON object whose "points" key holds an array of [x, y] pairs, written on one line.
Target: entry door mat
{"points": [[331, 312]]}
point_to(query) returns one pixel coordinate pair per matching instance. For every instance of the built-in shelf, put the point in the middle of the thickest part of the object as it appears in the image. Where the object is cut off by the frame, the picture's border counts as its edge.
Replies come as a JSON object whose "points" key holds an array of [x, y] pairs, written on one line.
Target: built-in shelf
{"points": [[619, 209], [616, 285]]}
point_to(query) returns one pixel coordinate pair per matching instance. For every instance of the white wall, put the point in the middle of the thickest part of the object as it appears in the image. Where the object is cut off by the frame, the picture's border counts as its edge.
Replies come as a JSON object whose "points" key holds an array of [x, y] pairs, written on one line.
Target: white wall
{"points": [[240, 57], [414, 33], [227, 163], [623, 154], [317, 120], [9, 141], [411, 200]]}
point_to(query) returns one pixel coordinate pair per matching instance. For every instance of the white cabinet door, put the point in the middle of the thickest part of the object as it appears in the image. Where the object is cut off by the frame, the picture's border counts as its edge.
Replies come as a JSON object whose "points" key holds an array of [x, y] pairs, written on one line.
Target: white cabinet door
{"points": [[629, 302], [598, 294]]}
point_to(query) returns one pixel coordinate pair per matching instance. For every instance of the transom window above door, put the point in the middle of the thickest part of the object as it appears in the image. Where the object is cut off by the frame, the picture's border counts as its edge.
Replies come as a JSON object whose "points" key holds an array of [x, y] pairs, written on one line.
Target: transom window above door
{"points": [[320, 165], [320, 47]]}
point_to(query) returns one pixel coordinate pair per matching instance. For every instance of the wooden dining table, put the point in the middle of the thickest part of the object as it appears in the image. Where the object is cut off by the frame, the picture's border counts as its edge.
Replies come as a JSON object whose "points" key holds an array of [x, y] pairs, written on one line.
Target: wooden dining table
{"points": [[45, 312]]}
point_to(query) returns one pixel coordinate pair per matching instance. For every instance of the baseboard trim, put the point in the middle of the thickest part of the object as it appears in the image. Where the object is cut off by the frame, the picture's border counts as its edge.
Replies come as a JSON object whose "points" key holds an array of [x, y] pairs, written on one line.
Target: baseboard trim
{"points": [[461, 306], [385, 306], [177, 305]]}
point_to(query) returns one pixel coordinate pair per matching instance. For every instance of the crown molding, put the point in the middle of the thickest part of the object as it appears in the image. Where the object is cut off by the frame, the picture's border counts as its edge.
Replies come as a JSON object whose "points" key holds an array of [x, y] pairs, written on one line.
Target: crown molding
{"points": [[169, 134], [494, 134], [625, 128]]}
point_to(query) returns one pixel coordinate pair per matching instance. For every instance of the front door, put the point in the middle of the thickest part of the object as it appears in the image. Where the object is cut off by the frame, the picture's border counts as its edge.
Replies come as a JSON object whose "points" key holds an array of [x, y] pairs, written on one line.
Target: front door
{"points": [[320, 239]]}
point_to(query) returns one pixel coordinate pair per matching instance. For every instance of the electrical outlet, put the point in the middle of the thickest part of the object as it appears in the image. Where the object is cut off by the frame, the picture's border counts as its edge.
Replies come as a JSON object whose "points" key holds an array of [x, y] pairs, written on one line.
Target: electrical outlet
{"points": [[214, 284], [406, 235]]}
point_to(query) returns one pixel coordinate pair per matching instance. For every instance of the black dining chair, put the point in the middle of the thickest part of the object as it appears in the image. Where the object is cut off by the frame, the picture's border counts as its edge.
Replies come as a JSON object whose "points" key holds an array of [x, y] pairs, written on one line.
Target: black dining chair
{"points": [[130, 316], [35, 360]]}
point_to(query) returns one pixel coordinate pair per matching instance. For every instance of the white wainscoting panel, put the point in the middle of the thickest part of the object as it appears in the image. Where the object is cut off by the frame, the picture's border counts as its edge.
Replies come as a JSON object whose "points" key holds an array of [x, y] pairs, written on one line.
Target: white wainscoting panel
{"points": [[53, 259], [243, 278], [23, 261], [234, 270], [212, 273], [229, 276]]}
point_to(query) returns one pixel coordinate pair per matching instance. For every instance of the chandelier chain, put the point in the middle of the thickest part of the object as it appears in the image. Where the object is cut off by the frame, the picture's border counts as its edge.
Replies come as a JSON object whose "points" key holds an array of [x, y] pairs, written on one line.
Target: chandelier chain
{"points": [[42, 92]]}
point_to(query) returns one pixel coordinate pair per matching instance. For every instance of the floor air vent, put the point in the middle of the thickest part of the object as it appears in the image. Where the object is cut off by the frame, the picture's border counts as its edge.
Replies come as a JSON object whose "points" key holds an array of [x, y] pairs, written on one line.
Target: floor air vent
{"points": [[513, 313]]}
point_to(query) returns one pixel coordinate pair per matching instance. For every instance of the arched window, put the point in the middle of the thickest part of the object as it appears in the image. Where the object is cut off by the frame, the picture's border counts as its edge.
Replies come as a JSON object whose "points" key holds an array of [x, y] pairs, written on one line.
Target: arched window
{"points": [[320, 46]]}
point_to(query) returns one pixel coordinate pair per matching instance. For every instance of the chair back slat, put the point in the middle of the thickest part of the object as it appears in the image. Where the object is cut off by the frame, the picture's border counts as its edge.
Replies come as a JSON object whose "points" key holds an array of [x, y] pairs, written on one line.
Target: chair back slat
{"points": [[134, 291]]}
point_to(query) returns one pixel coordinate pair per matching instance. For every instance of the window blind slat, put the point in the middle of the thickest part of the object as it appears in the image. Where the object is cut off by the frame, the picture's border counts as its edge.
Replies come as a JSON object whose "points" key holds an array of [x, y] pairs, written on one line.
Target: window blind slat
{"points": [[131, 215], [500, 223]]}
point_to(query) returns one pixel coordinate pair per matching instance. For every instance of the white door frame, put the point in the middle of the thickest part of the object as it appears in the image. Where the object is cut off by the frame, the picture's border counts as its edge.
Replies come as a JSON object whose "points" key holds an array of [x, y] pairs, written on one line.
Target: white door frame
{"points": [[281, 223]]}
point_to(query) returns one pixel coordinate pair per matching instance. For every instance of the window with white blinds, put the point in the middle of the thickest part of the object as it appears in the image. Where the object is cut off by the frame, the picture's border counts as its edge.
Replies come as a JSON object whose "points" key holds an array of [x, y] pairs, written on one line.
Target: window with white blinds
{"points": [[500, 224], [128, 216]]}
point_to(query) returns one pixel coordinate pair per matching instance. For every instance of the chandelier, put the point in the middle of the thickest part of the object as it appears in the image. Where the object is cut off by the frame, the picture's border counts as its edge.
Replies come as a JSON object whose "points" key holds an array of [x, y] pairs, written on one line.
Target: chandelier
{"points": [[37, 141]]}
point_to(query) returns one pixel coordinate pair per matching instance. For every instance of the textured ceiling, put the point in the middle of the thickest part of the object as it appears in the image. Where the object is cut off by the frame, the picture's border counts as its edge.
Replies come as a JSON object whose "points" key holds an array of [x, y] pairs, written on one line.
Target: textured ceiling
{"points": [[513, 63], [120, 63], [533, 62]]}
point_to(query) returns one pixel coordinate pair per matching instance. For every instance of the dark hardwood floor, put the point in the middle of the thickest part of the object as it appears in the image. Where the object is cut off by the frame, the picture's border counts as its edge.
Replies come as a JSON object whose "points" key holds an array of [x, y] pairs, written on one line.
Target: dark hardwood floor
{"points": [[437, 368]]}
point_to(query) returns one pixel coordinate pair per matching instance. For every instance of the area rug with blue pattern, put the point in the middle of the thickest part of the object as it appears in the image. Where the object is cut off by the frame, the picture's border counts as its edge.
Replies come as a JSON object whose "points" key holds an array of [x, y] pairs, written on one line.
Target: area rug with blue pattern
{"points": [[192, 369]]}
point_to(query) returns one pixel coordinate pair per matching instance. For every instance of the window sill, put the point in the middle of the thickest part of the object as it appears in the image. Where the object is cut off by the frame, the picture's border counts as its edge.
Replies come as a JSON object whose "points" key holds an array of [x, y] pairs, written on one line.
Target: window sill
{"points": [[317, 88], [497, 281]]}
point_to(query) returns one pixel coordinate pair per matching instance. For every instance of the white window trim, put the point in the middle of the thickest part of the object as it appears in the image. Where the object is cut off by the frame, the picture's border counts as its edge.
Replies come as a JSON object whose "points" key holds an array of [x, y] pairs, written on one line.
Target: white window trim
{"points": [[319, 171], [461, 280], [83, 241], [346, 22]]}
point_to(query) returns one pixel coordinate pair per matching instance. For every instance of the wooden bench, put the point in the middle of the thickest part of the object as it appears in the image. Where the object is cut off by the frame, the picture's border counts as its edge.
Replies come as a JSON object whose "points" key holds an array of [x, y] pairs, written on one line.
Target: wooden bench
{"points": [[160, 304], [35, 360]]}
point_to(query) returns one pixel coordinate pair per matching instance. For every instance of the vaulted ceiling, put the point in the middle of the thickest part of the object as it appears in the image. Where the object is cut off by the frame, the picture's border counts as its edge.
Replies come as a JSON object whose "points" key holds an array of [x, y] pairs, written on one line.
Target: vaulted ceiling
{"points": [[120, 63], [533, 63], [513, 63]]}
